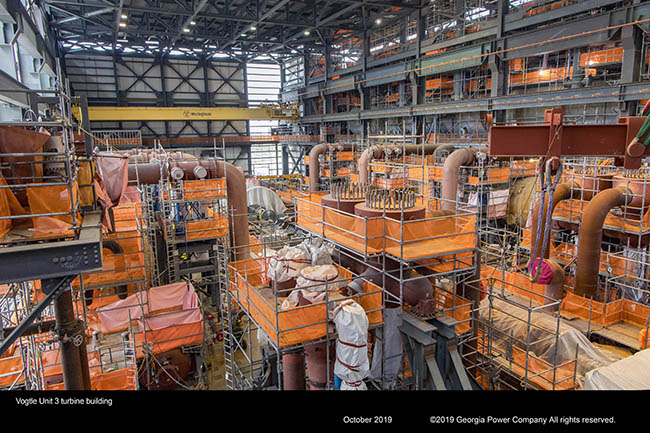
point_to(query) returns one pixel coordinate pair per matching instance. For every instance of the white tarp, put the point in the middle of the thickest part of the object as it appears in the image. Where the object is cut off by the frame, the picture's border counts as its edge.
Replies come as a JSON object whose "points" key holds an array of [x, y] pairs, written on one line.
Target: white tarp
{"points": [[387, 353], [351, 364], [287, 263], [313, 283], [265, 197], [630, 373]]}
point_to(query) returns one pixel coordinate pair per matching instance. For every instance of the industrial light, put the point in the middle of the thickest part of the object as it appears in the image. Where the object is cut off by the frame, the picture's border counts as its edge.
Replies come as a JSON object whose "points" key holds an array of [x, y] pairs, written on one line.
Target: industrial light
{"points": [[122, 24], [243, 35], [378, 21], [124, 16], [192, 23], [186, 30], [307, 33], [253, 28]]}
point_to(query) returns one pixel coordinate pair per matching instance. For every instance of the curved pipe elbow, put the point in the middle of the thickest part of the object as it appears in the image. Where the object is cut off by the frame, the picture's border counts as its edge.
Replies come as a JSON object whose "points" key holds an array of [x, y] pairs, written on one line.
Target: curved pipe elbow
{"points": [[590, 237], [450, 172], [314, 166]]}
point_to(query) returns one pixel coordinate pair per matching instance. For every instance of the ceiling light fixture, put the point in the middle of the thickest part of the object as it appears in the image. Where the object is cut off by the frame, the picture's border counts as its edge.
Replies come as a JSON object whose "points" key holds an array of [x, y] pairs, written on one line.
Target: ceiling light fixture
{"points": [[186, 30], [307, 32], [124, 16], [192, 23], [122, 24], [378, 21], [253, 28]]}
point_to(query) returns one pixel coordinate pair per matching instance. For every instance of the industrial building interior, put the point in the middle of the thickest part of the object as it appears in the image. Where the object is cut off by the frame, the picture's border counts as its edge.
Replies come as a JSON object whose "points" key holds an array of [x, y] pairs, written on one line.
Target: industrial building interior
{"points": [[324, 195]]}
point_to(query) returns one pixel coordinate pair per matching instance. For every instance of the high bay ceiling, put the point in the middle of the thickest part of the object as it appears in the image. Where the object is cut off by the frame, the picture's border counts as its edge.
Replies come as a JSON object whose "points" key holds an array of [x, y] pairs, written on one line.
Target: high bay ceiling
{"points": [[214, 27]]}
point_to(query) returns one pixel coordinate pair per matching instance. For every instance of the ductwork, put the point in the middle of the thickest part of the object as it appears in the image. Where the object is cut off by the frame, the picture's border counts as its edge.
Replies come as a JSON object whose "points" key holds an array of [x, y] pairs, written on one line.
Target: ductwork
{"points": [[151, 172], [563, 191], [376, 152], [450, 172], [590, 237]]}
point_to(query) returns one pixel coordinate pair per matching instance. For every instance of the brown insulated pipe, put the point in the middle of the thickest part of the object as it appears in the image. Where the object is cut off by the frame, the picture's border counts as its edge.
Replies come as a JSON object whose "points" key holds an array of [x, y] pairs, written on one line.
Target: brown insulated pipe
{"points": [[293, 371], [235, 186], [563, 191], [590, 237], [376, 152], [318, 369], [314, 163], [450, 172]]}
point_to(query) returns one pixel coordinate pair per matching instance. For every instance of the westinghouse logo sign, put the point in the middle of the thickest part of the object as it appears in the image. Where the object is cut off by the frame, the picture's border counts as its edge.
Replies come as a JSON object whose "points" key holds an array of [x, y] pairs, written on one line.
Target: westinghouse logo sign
{"points": [[194, 114]]}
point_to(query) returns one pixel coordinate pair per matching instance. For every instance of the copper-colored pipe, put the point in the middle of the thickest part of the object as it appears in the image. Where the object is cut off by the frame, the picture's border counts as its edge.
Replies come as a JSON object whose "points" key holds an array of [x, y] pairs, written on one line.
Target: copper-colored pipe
{"points": [[293, 371], [450, 171], [314, 163], [375, 152], [555, 289], [235, 185], [590, 237], [237, 208], [563, 191]]}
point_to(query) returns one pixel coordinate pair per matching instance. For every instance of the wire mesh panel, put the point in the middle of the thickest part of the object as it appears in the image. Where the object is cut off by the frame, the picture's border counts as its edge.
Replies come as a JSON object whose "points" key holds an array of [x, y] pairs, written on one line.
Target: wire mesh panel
{"points": [[118, 139]]}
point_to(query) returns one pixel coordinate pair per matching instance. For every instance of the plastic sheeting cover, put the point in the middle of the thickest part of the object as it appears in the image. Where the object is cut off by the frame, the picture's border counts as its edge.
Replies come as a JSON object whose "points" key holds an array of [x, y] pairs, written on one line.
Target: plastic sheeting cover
{"points": [[287, 263], [513, 321], [266, 198], [627, 374], [351, 364]]}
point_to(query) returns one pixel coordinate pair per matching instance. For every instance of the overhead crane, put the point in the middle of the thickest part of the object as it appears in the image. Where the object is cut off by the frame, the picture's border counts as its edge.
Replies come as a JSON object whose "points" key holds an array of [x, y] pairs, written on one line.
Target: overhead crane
{"points": [[147, 113]]}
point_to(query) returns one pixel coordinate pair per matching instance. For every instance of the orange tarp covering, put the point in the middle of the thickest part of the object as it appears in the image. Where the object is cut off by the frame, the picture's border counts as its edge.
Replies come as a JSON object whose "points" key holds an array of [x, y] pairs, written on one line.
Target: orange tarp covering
{"points": [[370, 301], [208, 228], [204, 189], [621, 310], [9, 206], [366, 236], [535, 366], [118, 268], [118, 380], [171, 337], [52, 199], [294, 326], [126, 216], [10, 369], [572, 210], [518, 283], [454, 306], [440, 229]]}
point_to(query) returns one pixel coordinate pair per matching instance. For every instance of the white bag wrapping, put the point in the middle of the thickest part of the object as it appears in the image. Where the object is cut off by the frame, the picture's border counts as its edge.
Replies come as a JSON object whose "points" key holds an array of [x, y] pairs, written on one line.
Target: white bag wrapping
{"points": [[319, 278], [287, 263], [313, 282], [352, 364]]}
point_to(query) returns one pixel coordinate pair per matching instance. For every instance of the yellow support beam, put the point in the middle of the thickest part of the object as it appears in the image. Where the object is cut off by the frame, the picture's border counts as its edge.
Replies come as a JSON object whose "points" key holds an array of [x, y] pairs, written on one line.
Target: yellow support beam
{"points": [[264, 112]]}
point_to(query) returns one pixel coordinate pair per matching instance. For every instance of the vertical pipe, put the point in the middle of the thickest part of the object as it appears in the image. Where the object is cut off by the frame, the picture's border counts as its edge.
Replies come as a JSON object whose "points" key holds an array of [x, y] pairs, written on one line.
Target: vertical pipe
{"points": [[71, 357]]}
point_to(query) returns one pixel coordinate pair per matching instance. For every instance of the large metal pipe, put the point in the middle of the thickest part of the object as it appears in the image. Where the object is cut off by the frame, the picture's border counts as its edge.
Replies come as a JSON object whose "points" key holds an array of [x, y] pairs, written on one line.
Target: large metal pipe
{"points": [[554, 289], [70, 330], [293, 371], [375, 152], [563, 191], [450, 172], [314, 163], [590, 237], [151, 172]]}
